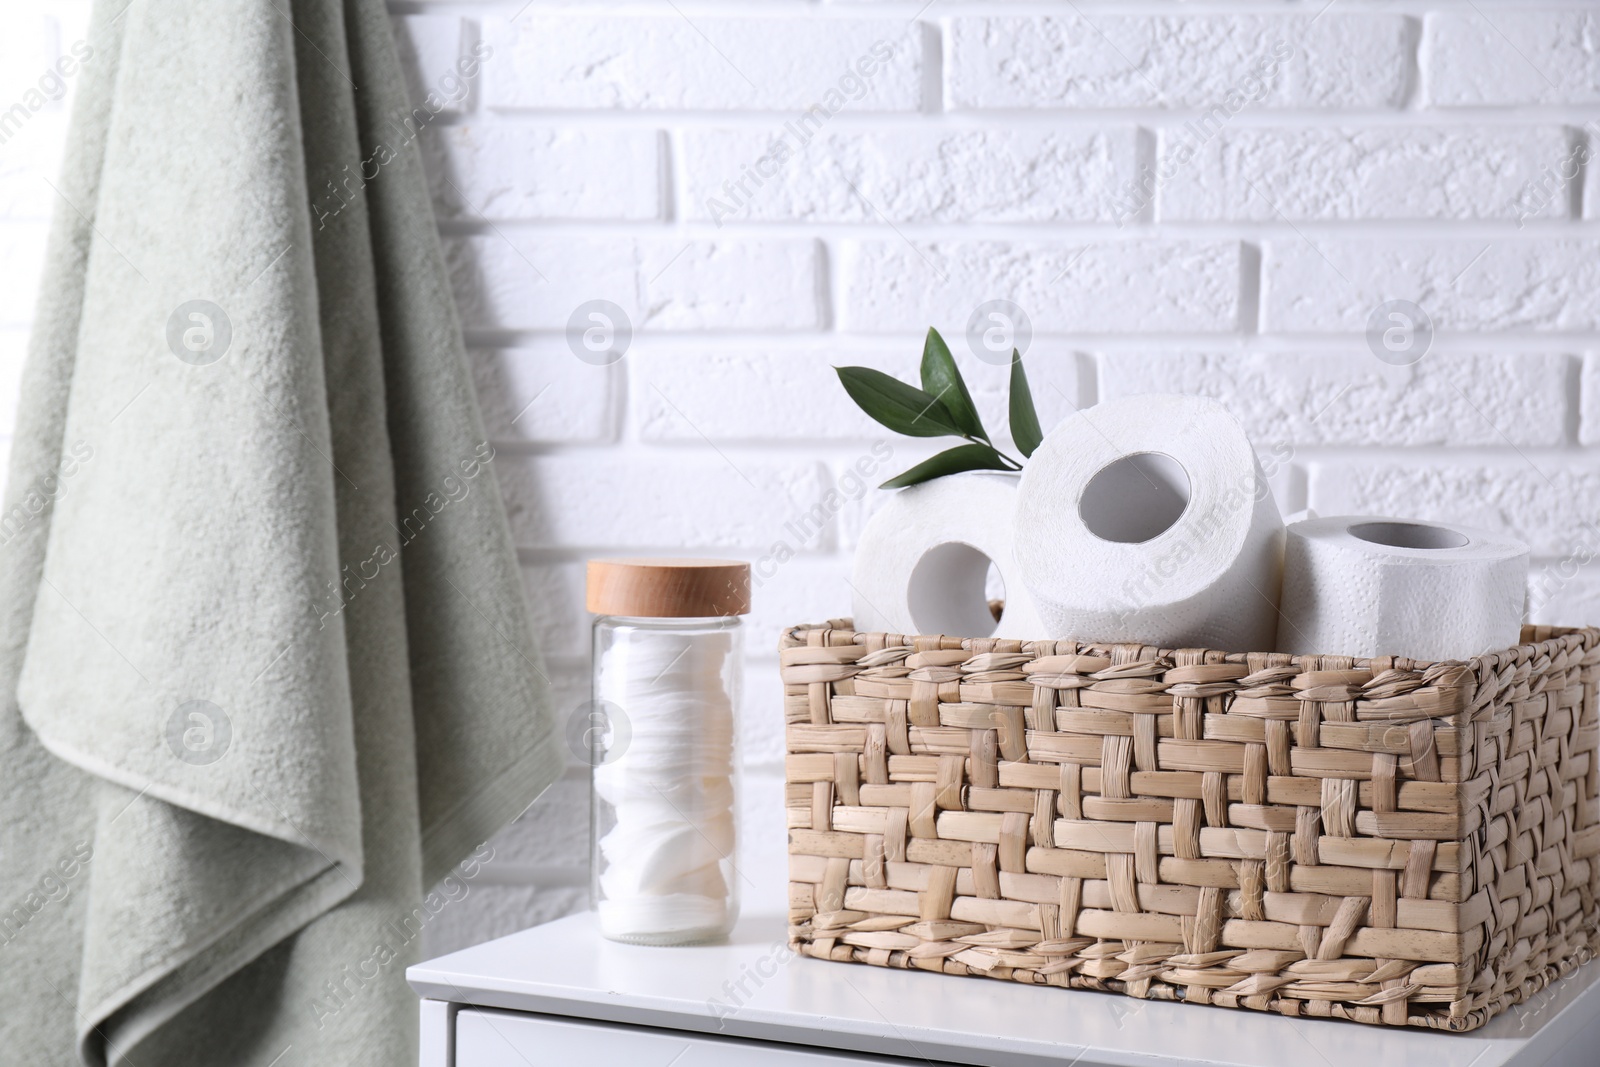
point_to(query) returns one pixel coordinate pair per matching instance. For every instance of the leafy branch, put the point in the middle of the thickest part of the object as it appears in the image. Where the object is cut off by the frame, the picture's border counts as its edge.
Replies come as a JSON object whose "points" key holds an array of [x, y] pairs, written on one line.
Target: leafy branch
{"points": [[943, 408]]}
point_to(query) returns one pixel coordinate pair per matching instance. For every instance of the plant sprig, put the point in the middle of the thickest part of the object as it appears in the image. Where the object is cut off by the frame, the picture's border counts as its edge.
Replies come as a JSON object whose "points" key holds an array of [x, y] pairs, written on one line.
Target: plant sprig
{"points": [[943, 407]]}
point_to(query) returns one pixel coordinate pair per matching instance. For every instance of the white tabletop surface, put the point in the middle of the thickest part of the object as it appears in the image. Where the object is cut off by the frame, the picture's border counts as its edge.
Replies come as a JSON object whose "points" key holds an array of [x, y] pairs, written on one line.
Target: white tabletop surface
{"points": [[566, 968]]}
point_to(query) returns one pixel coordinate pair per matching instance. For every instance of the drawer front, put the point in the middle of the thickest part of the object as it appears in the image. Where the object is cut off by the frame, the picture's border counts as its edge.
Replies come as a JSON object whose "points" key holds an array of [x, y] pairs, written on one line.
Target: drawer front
{"points": [[488, 1038]]}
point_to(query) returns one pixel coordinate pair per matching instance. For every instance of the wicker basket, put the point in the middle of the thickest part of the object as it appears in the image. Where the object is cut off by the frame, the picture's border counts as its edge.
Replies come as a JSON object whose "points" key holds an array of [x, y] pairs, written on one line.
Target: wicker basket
{"points": [[1380, 840]]}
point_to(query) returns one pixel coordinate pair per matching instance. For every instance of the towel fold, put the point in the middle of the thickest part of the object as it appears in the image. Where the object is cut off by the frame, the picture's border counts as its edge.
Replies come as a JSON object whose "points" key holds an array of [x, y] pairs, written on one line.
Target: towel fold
{"points": [[265, 657]]}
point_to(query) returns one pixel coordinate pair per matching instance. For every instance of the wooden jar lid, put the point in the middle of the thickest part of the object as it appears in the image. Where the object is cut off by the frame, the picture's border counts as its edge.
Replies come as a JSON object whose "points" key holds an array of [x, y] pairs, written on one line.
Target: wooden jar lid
{"points": [[669, 588]]}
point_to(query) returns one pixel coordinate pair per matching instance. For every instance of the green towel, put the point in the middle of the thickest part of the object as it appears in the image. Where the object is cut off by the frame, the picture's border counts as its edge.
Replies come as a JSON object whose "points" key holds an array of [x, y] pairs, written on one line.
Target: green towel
{"points": [[265, 654]]}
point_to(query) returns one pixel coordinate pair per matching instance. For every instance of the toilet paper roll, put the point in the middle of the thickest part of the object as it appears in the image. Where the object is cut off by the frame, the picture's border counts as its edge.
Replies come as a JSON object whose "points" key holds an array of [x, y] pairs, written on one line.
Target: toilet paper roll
{"points": [[923, 559], [1366, 586], [1149, 519]]}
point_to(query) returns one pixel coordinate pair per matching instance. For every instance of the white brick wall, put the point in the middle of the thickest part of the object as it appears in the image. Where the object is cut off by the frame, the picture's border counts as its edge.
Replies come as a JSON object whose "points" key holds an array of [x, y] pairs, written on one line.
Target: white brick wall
{"points": [[1495, 282], [912, 174], [1075, 60], [1066, 286], [708, 62], [1211, 201], [1468, 55], [1347, 173]]}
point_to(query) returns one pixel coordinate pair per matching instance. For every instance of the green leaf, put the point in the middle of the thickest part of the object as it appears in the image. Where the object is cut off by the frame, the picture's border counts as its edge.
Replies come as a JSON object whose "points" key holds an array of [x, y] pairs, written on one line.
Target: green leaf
{"points": [[902, 408], [1024, 419], [942, 378], [950, 461]]}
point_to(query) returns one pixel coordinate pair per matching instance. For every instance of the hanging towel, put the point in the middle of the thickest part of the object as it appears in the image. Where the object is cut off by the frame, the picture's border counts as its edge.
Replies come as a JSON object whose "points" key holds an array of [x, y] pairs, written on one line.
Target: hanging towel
{"points": [[265, 655]]}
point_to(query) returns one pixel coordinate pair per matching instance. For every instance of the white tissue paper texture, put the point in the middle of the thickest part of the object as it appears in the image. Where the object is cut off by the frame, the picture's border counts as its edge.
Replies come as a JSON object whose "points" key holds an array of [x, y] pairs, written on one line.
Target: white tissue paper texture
{"points": [[1149, 519], [1346, 595], [916, 573]]}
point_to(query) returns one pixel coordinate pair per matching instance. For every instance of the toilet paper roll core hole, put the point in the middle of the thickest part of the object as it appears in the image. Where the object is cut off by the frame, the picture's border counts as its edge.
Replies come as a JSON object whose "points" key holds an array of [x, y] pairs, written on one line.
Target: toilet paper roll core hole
{"points": [[1135, 498], [949, 591], [1407, 535]]}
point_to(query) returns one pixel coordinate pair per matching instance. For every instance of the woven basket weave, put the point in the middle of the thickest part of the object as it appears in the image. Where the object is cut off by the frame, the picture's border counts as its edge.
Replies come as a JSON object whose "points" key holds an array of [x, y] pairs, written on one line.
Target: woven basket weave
{"points": [[1382, 840]]}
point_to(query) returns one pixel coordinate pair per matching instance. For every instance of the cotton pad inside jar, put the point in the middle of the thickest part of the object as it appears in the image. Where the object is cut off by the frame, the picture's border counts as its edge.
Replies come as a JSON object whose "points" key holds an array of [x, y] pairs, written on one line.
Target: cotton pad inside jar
{"points": [[661, 734]]}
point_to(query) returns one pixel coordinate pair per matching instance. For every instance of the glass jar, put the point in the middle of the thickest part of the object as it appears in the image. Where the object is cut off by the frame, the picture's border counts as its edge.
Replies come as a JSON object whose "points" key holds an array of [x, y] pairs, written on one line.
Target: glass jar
{"points": [[668, 646]]}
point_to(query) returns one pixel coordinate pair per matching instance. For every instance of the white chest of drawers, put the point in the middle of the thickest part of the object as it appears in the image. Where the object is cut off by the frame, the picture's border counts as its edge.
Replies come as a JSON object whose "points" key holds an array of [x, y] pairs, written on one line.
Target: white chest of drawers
{"points": [[561, 995]]}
